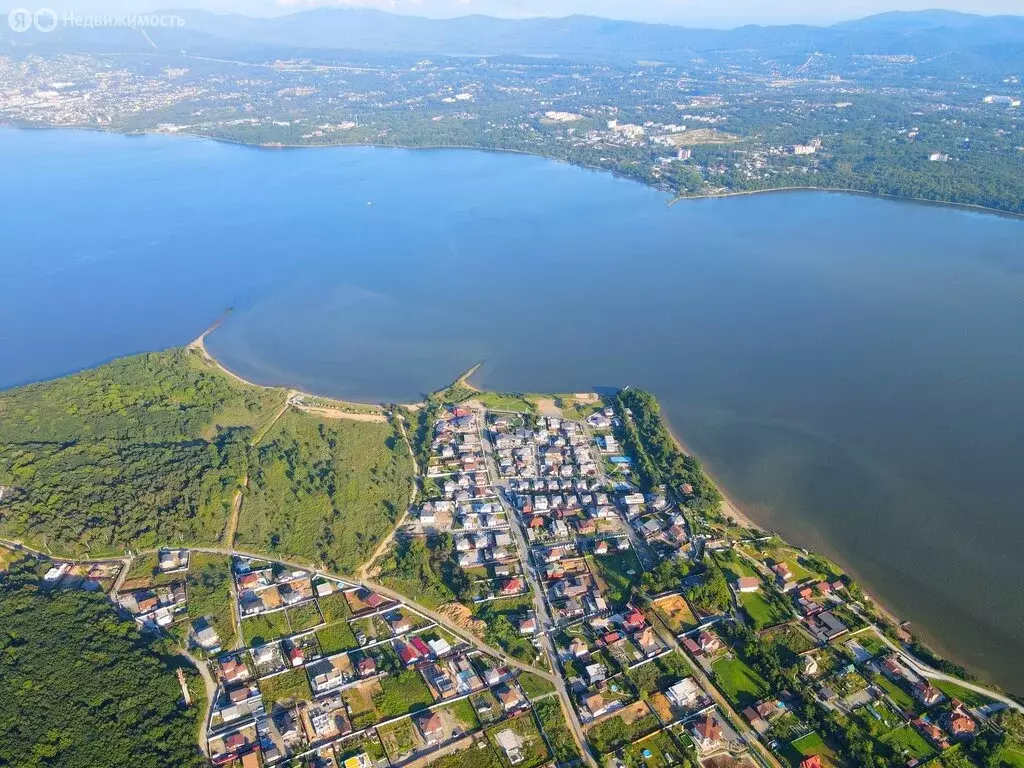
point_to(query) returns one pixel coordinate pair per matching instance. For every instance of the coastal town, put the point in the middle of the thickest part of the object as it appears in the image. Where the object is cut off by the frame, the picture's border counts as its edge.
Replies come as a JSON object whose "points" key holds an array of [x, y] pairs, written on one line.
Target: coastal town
{"points": [[604, 620], [720, 124]]}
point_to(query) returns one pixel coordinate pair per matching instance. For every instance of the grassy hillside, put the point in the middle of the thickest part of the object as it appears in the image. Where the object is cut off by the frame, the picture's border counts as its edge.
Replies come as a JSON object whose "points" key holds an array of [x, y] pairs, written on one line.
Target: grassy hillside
{"points": [[325, 491], [139, 452], [80, 688]]}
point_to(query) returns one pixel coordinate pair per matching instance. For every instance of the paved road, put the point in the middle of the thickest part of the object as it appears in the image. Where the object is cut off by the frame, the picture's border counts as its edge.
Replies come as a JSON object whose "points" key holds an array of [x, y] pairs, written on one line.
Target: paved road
{"points": [[933, 674], [442, 620], [209, 684], [211, 693], [760, 753], [540, 605]]}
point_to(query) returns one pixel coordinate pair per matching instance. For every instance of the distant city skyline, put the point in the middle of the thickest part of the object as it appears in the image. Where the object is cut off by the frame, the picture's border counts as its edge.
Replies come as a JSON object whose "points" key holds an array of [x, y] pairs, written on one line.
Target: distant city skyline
{"points": [[719, 13]]}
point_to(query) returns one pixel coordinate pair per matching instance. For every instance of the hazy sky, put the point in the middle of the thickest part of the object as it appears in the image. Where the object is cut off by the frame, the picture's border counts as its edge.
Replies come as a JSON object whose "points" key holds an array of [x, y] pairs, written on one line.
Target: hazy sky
{"points": [[713, 12]]}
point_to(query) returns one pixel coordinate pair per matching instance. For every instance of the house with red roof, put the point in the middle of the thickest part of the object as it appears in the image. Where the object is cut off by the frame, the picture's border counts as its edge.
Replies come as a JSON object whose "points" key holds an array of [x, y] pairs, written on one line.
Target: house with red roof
{"points": [[634, 620], [707, 733], [959, 722], [407, 654]]}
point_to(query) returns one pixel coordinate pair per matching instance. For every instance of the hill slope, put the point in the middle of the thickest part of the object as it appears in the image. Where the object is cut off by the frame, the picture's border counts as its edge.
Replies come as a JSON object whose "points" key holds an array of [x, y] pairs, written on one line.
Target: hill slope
{"points": [[143, 451]]}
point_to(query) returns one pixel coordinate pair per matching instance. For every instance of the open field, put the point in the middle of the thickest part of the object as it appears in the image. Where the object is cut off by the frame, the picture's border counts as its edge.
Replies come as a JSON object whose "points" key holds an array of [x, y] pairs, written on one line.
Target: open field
{"points": [[289, 686], [789, 637], [805, 746], [967, 696], [676, 613], [499, 401], [336, 637], [534, 751], [325, 491], [552, 721], [359, 700], [402, 693], [701, 136], [264, 628], [209, 593], [618, 572], [903, 699], [135, 453], [908, 742], [761, 612], [741, 684], [656, 751], [622, 728]]}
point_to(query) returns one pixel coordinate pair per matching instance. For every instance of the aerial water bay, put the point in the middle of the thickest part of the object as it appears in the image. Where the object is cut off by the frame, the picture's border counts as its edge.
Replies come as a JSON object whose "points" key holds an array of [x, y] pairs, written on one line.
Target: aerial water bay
{"points": [[849, 369]]}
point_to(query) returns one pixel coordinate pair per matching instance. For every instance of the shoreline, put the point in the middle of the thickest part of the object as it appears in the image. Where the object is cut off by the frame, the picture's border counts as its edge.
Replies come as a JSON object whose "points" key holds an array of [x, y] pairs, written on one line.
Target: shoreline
{"points": [[730, 508], [967, 207], [675, 198]]}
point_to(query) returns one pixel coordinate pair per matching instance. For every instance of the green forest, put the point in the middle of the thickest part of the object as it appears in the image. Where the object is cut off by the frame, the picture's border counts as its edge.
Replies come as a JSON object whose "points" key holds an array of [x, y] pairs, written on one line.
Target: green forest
{"points": [[150, 450], [143, 451], [325, 491], [658, 458], [80, 688]]}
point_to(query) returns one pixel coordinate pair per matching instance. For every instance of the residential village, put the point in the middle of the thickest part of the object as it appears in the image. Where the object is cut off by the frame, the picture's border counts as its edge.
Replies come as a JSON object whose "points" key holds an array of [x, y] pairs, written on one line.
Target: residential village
{"points": [[328, 673], [616, 625], [654, 677]]}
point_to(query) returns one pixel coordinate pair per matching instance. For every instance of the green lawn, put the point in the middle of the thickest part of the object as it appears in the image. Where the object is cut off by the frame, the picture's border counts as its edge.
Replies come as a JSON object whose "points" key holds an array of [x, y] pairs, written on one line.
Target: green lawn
{"points": [[657, 751], [147, 567], [471, 757], [208, 587], [292, 685], [1014, 757], [789, 638], [888, 720], [261, 629], [733, 565], [908, 742], [334, 607], [335, 638], [325, 491], [399, 739], [870, 642], [402, 693], [615, 733], [903, 699], [506, 401], [534, 686], [303, 617], [760, 611], [614, 569], [811, 744], [659, 674], [577, 411], [464, 712], [535, 752], [741, 684], [500, 617], [552, 720], [968, 697]]}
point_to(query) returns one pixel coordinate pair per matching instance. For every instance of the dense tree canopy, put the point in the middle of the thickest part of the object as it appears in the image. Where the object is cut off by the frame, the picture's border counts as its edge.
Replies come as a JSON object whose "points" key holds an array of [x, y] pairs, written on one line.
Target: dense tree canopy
{"points": [[142, 451], [81, 688]]}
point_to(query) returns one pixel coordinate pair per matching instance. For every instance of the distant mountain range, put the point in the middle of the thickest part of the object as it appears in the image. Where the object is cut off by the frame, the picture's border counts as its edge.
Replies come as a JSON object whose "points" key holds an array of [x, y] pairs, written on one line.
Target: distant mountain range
{"points": [[927, 34]]}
